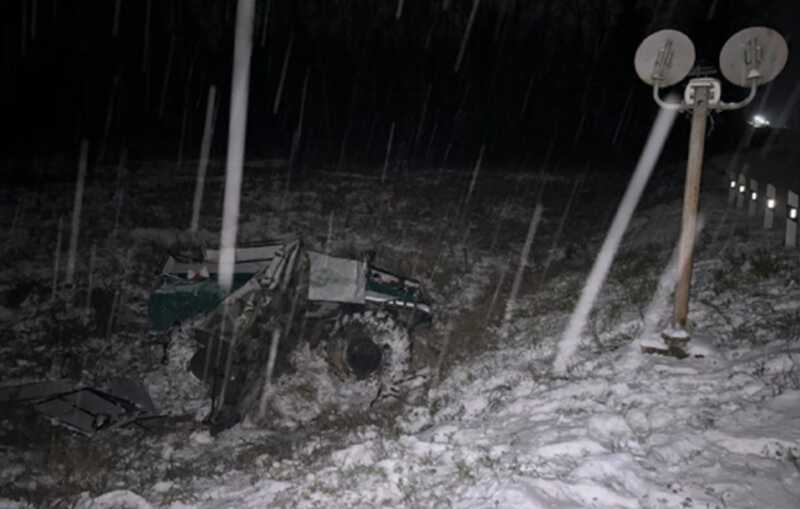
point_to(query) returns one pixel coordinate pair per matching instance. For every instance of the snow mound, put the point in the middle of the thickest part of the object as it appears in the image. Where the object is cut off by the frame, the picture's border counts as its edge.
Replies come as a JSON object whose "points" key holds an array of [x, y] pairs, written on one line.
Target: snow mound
{"points": [[120, 499]]}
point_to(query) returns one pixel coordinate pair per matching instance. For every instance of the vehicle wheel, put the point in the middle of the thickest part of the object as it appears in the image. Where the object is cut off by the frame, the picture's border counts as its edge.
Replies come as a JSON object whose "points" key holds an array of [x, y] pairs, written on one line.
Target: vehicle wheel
{"points": [[370, 344]]}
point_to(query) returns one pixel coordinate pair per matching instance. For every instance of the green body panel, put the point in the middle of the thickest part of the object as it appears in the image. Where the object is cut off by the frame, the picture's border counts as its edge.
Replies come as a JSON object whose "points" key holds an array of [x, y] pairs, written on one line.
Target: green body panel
{"points": [[398, 292], [179, 299]]}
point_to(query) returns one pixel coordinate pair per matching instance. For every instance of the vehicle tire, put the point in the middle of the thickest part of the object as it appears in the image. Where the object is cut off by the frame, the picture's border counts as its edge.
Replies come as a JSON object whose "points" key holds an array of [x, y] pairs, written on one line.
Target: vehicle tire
{"points": [[370, 344]]}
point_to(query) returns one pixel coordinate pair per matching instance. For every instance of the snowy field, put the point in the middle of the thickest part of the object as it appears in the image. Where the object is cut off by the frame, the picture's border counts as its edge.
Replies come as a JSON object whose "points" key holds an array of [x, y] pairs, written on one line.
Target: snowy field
{"points": [[621, 429]]}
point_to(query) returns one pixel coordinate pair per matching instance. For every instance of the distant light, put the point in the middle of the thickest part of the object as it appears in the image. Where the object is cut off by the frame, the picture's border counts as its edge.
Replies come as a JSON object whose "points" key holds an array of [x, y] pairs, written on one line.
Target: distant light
{"points": [[754, 196], [742, 189], [771, 203], [733, 184], [759, 121], [793, 213]]}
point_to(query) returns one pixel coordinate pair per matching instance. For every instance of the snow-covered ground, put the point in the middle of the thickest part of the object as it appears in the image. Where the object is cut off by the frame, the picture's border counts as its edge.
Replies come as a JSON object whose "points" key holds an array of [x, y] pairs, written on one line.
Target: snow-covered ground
{"points": [[720, 429]]}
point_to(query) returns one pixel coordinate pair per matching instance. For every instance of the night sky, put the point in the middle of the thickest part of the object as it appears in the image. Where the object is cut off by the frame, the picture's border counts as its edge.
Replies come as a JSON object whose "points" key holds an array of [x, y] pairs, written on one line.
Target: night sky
{"points": [[536, 76]]}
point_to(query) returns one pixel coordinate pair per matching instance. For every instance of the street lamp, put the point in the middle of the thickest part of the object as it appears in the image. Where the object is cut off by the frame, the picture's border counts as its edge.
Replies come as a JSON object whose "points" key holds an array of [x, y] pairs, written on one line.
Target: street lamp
{"points": [[750, 58]]}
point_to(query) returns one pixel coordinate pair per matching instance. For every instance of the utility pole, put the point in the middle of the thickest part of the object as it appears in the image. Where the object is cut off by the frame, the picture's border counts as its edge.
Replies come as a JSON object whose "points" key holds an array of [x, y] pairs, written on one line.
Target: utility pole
{"points": [[750, 58], [691, 198]]}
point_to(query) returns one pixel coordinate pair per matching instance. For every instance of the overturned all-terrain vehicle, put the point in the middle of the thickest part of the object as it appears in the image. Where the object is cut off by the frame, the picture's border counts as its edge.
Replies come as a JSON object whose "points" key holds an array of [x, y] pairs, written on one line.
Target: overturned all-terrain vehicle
{"points": [[300, 331]]}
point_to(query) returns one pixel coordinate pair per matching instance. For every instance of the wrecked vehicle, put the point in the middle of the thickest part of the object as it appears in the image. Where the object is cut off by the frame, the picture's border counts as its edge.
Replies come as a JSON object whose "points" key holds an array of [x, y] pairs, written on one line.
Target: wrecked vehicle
{"points": [[358, 317]]}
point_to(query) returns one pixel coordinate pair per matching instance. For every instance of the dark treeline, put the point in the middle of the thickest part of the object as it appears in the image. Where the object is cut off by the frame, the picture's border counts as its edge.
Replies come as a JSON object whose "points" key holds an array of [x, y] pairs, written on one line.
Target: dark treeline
{"points": [[536, 76]]}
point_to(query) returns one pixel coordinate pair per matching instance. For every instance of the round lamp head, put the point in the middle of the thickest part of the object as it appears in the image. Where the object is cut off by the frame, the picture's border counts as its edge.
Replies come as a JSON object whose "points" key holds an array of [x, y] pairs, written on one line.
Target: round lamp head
{"points": [[753, 55], [664, 58]]}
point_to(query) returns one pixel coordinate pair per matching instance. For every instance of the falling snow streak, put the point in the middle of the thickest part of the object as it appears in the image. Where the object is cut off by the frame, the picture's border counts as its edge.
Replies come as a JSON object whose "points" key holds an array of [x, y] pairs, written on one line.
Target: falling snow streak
{"points": [[165, 87], [622, 118], [298, 132], [471, 188], [18, 210], [23, 42], [348, 129], [712, 10], [109, 117], [279, 92], [571, 338], [445, 158], [388, 153], [464, 97], [421, 122], [90, 283], [265, 23], [57, 258], [500, 23], [783, 120], [429, 36], [561, 224], [187, 94], [202, 165], [465, 39], [236, 138], [587, 88], [434, 130], [370, 134], [146, 43], [76, 214], [228, 7], [115, 23], [399, 12], [496, 293], [112, 315], [536, 218], [296, 139], [547, 162], [443, 354], [329, 236], [527, 97], [34, 4], [500, 220], [326, 109], [673, 4], [119, 193]]}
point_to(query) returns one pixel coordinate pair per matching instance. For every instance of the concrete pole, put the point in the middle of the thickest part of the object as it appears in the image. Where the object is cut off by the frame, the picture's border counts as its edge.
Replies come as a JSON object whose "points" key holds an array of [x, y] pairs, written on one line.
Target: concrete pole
{"points": [[752, 208], [732, 190], [791, 219], [741, 189], [769, 212], [691, 198]]}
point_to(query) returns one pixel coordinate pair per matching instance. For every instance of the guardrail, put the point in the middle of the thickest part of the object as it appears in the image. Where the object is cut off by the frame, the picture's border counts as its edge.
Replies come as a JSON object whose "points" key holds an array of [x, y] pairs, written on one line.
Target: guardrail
{"points": [[742, 189]]}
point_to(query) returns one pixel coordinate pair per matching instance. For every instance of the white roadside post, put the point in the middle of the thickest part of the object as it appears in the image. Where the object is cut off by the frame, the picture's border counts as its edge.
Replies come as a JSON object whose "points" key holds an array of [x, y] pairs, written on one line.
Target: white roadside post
{"points": [[76, 214], [769, 210], [752, 208], [740, 190], [750, 58], [791, 219], [732, 191]]}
